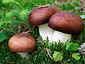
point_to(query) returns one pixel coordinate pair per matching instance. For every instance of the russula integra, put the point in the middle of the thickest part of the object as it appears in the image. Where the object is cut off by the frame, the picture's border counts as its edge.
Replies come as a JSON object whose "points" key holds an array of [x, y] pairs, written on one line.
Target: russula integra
{"points": [[40, 17], [65, 24], [22, 43]]}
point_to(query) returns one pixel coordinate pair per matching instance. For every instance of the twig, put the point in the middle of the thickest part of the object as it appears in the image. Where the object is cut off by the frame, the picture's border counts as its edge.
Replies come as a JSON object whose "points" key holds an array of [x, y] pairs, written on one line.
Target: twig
{"points": [[29, 62], [27, 32], [43, 6], [7, 29], [41, 48], [13, 21], [49, 53], [66, 61], [18, 4]]}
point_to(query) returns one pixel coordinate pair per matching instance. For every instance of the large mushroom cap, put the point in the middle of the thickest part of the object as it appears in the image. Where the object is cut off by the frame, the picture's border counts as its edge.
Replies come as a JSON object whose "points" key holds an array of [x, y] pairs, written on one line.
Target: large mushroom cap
{"points": [[66, 22], [22, 42], [41, 15]]}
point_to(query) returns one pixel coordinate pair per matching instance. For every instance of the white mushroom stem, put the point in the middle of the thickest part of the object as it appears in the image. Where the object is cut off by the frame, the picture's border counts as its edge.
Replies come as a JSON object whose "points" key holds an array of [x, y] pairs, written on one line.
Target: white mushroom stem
{"points": [[45, 31], [24, 54], [62, 37]]}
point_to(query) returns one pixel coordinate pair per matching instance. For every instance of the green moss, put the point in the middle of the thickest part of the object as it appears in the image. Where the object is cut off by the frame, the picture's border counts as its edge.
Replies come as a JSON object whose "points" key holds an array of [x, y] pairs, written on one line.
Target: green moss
{"points": [[13, 12]]}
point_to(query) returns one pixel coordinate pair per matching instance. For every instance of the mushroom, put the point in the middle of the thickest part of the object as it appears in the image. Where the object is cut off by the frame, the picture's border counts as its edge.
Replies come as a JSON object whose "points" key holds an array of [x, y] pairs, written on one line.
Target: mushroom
{"points": [[65, 25], [40, 17], [22, 43]]}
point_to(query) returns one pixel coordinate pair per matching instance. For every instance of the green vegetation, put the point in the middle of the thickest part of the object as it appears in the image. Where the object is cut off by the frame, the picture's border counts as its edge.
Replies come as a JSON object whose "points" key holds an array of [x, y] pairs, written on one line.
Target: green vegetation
{"points": [[14, 19]]}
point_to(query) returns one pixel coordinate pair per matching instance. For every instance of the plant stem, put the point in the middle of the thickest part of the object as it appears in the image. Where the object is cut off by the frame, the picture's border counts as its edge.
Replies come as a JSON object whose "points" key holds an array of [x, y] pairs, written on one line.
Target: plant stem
{"points": [[66, 61], [7, 30], [44, 6], [19, 4], [13, 21], [49, 53]]}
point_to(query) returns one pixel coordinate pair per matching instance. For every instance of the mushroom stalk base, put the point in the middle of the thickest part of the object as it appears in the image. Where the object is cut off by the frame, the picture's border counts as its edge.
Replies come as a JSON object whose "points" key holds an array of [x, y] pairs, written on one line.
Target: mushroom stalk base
{"points": [[24, 54], [45, 32], [62, 37], [53, 36]]}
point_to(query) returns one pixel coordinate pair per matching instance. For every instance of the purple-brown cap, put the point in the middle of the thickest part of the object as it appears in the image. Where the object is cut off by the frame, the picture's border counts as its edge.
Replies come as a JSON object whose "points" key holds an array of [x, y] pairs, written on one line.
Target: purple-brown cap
{"points": [[66, 22], [41, 14], [22, 42]]}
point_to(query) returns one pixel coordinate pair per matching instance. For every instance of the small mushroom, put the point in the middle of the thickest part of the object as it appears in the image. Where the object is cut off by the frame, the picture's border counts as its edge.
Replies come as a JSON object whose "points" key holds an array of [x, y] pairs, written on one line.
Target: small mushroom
{"points": [[40, 17], [22, 43], [65, 25]]}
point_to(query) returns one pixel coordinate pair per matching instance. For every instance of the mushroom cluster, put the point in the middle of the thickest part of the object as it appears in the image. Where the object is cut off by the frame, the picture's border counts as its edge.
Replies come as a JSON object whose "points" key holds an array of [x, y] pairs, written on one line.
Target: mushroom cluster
{"points": [[22, 44], [55, 24], [40, 17]]}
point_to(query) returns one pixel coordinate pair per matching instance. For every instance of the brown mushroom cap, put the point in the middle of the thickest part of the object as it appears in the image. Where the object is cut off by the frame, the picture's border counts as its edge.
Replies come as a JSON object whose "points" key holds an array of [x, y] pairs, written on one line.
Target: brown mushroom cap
{"points": [[22, 42], [41, 15], [66, 22]]}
